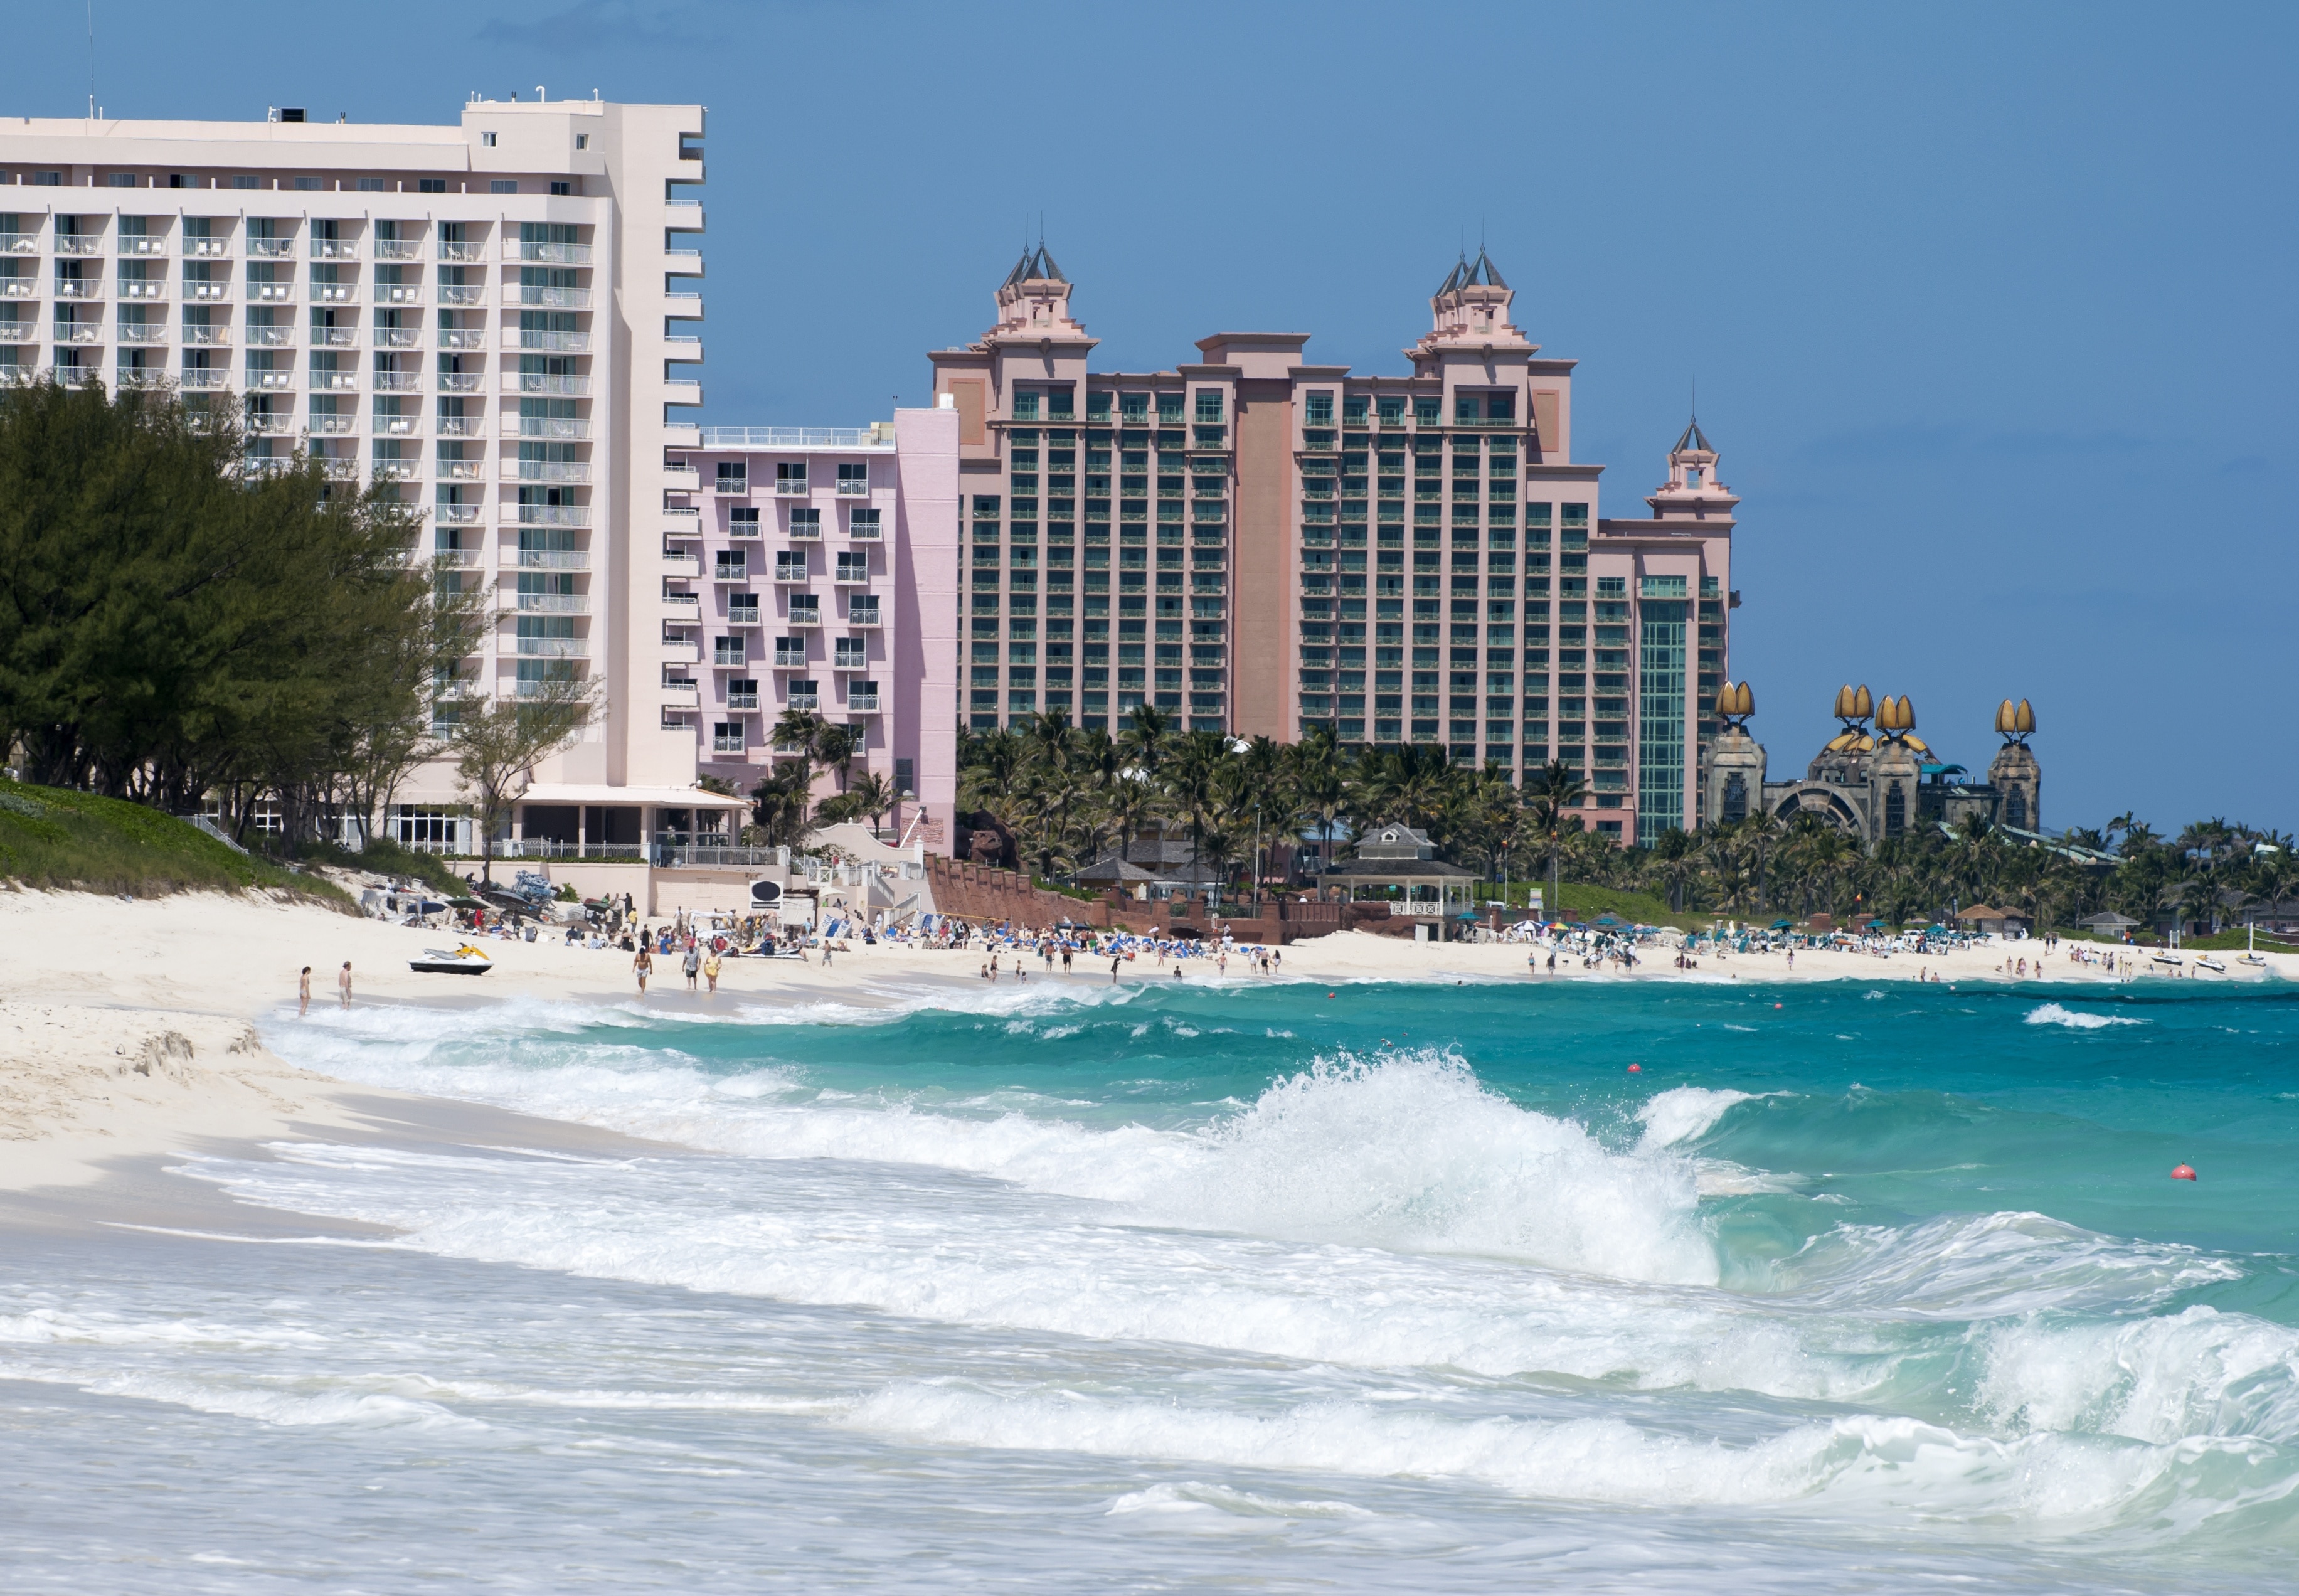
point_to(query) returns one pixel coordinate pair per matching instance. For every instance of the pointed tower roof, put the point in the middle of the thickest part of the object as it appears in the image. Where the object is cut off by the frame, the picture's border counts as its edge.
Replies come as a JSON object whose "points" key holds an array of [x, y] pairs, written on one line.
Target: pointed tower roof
{"points": [[1036, 265], [1693, 438], [1484, 272], [1453, 277]]}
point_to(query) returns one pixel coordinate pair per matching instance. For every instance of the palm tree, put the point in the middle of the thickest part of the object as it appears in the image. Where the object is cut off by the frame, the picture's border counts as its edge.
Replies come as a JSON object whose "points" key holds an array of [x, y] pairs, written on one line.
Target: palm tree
{"points": [[834, 746], [872, 794], [1144, 741], [1676, 863], [1320, 785], [1553, 793], [797, 730]]}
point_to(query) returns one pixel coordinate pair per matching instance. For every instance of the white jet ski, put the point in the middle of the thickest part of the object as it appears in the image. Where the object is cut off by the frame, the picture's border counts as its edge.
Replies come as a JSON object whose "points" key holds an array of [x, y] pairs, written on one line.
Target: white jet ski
{"points": [[465, 960]]}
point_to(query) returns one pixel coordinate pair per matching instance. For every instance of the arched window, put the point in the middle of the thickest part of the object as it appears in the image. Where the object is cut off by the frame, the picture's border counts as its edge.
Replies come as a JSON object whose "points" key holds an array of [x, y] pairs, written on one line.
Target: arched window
{"points": [[1736, 797], [2015, 809], [1896, 809]]}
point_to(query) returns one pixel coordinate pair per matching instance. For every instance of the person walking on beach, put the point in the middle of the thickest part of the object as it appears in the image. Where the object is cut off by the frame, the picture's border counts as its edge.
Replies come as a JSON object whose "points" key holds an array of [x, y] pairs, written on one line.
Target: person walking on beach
{"points": [[711, 970], [344, 982], [643, 966], [304, 992], [692, 964], [1115, 961]]}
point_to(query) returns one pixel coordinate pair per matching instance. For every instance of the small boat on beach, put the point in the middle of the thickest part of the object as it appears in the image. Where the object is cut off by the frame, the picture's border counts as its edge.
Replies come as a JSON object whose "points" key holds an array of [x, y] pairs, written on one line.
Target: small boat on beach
{"points": [[465, 960], [2206, 961], [2174, 959]]}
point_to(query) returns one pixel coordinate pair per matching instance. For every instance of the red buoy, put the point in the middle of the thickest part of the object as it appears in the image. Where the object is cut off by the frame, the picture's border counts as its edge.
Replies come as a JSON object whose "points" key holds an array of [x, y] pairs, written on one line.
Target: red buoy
{"points": [[1635, 1069], [2184, 1172]]}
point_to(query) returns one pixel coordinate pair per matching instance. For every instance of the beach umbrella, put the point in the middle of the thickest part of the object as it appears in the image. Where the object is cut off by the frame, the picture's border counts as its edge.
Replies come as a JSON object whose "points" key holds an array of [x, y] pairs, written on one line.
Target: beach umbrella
{"points": [[1782, 925]]}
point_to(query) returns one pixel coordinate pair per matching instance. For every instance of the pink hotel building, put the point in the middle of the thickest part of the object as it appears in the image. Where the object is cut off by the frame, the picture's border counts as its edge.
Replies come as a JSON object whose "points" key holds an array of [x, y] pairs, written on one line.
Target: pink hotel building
{"points": [[1250, 542]]}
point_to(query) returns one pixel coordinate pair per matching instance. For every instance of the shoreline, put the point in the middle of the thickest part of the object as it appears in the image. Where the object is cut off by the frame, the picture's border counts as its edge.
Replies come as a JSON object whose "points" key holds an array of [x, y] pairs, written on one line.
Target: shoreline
{"points": [[128, 1028]]}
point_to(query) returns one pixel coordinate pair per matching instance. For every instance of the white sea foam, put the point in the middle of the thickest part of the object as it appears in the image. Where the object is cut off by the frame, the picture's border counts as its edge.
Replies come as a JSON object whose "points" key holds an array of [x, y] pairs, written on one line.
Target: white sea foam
{"points": [[2198, 1372], [2077, 1019], [1685, 1114]]}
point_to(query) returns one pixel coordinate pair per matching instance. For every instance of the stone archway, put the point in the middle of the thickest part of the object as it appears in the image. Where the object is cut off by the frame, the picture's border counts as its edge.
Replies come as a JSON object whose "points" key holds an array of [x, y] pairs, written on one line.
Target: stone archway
{"points": [[1822, 800]]}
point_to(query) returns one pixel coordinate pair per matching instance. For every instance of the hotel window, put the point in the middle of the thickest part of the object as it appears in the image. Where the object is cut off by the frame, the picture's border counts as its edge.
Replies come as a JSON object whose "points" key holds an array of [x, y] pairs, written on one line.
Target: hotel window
{"points": [[503, 185], [789, 476], [582, 141], [1169, 407], [430, 185], [488, 140], [1319, 411], [1209, 404], [1133, 407], [742, 521], [854, 478], [863, 523], [1025, 405], [734, 477], [1425, 411]]}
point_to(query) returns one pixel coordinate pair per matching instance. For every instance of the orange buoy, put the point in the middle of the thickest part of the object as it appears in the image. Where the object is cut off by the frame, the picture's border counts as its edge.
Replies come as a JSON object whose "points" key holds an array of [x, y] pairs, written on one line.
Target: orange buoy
{"points": [[1635, 1069], [2184, 1172]]}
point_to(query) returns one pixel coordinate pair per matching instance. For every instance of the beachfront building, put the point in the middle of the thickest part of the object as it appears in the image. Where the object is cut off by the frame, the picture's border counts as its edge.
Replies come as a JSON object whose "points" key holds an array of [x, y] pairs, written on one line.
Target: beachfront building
{"points": [[814, 570], [1876, 777], [500, 318], [1254, 543]]}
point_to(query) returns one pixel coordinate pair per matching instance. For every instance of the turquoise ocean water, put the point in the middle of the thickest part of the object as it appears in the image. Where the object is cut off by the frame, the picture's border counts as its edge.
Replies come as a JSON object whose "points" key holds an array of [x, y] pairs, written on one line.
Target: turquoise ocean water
{"points": [[1280, 1287]]}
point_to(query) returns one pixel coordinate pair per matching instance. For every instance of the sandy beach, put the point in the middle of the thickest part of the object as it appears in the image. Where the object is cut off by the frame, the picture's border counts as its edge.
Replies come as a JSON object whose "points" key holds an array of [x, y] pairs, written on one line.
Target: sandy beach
{"points": [[130, 1028]]}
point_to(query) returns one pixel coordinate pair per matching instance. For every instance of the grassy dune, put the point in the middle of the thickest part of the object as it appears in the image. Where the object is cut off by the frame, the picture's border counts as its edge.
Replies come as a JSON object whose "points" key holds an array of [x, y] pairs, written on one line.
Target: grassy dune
{"points": [[54, 838]]}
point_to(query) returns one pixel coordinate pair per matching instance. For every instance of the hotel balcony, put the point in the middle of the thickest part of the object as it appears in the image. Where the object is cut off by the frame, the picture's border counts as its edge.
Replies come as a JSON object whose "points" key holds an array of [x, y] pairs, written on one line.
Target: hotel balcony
{"points": [[863, 614], [398, 249], [548, 559], [682, 606], [791, 573], [549, 603], [803, 701], [535, 382], [547, 470], [680, 391], [851, 572], [462, 294], [399, 294], [80, 244], [681, 650], [392, 382], [460, 382], [334, 249], [337, 338], [462, 249], [682, 479], [270, 337], [19, 243], [862, 703], [143, 287], [548, 343], [335, 425], [552, 648], [271, 249], [460, 470], [522, 296], [683, 347], [740, 572], [78, 332], [682, 695], [549, 426], [551, 515], [456, 515], [200, 378], [19, 287], [463, 337], [397, 470], [209, 248], [79, 287], [742, 700], [143, 332], [455, 558], [789, 659], [207, 291], [811, 616], [563, 255], [790, 488], [680, 565], [743, 615], [721, 743], [270, 293]]}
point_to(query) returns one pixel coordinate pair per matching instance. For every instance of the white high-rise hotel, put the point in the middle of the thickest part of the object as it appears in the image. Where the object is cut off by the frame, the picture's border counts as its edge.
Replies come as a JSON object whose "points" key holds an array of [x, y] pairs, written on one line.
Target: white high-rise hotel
{"points": [[503, 316]]}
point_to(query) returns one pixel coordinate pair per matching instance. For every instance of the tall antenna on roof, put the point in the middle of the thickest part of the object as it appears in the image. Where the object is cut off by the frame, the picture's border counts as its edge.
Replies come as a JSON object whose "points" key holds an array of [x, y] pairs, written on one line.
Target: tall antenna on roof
{"points": [[91, 60]]}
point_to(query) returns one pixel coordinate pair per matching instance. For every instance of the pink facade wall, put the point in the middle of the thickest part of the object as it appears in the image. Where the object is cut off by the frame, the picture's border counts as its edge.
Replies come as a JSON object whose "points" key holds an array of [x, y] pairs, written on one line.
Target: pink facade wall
{"points": [[815, 568]]}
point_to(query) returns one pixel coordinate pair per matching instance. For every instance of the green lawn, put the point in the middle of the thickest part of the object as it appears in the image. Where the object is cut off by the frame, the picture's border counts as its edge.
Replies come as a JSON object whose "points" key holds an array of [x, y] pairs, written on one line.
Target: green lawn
{"points": [[55, 838]]}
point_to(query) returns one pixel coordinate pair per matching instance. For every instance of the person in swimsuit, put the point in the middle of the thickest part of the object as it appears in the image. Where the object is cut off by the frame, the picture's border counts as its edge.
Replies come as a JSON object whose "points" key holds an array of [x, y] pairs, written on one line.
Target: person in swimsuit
{"points": [[643, 966]]}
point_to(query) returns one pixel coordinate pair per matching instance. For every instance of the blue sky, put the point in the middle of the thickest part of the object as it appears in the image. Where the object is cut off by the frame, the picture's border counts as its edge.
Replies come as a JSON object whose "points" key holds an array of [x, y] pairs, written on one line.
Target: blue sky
{"points": [[1991, 308]]}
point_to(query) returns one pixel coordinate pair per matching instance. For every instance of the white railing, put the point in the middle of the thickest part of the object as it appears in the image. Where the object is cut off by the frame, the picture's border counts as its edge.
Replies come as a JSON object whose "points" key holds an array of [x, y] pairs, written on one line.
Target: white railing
{"points": [[537, 382], [398, 382], [207, 336], [554, 515], [334, 337], [459, 427], [143, 287], [462, 471], [271, 249], [546, 342], [566, 427], [397, 249], [80, 244], [78, 332], [206, 247], [462, 294], [207, 288], [334, 293], [143, 332], [397, 338], [550, 559], [19, 243], [545, 471], [269, 338], [334, 249], [527, 296], [79, 288], [399, 294], [553, 648], [271, 291], [796, 438], [458, 382], [565, 254], [143, 243], [462, 249], [463, 337], [554, 603]]}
